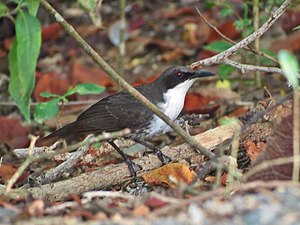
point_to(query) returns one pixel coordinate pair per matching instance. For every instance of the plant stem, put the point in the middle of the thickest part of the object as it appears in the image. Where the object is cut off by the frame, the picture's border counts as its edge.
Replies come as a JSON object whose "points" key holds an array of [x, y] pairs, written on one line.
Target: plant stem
{"points": [[296, 138], [122, 46]]}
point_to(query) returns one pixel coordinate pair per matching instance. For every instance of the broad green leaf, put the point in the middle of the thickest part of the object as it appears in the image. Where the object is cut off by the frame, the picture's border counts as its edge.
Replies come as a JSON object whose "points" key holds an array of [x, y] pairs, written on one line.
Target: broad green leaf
{"points": [[3, 9], [87, 5], [85, 89], [289, 65], [296, 28], [218, 46], [22, 60], [46, 110], [33, 6], [47, 94], [226, 12], [225, 70]]}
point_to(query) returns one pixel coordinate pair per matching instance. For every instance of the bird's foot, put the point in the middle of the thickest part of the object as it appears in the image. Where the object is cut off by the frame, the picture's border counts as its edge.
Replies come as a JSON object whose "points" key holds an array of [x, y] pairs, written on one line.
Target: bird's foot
{"points": [[162, 157], [133, 167]]}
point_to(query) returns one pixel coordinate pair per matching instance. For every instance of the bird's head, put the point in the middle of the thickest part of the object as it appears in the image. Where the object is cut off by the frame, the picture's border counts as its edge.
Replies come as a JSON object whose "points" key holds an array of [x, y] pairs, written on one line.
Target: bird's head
{"points": [[180, 77]]}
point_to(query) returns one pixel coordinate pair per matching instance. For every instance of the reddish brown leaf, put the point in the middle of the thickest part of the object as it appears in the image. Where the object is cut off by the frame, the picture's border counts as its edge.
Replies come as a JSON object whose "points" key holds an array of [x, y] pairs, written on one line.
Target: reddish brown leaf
{"points": [[8, 42], [290, 43], [7, 171], [203, 54], [196, 103], [227, 28], [153, 202], [52, 82], [238, 111], [177, 12], [141, 81], [51, 32], [180, 172], [290, 19], [254, 150], [13, 133], [87, 74]]}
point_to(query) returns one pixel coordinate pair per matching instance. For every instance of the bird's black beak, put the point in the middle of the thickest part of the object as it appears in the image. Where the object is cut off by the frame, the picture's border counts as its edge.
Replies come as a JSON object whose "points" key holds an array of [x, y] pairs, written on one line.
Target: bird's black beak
{"points": [[202, 73]]}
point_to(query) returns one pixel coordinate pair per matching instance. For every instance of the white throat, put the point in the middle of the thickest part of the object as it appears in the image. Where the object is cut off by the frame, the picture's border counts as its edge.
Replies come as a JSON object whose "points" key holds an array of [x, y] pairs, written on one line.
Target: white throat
{"points": [[172, 106]]}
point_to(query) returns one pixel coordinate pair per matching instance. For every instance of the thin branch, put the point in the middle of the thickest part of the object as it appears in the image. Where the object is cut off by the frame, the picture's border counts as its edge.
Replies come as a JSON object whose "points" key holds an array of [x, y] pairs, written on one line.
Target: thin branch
{"points": [[247, 67], [23, 166], [221, 57], [33, 104], [248, 48]]}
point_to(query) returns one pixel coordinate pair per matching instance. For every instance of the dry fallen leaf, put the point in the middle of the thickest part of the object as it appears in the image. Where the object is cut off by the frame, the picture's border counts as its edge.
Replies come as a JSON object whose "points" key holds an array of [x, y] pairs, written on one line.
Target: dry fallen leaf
{"points": [[170, 174], [254, 150]]}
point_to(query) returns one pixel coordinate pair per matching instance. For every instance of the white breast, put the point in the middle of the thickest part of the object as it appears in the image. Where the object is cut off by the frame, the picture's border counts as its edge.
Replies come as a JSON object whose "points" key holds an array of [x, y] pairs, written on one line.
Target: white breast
{"points": [[172, 106]]}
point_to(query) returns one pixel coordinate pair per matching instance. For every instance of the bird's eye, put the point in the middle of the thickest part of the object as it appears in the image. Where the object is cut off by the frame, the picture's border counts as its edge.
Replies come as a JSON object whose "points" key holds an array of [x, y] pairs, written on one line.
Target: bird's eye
{"points": [[179, 74]]}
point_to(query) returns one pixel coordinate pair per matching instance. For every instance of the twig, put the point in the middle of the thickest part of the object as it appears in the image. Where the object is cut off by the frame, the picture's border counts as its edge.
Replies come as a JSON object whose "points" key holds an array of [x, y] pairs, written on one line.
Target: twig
{"points": [[33, 104], [33, 158], [122, 46], [296, 137], [248, 48], [23, 152], [257, 41], [223, 56], [247, 67], [88, 196], [55, 173], [23, 166]]}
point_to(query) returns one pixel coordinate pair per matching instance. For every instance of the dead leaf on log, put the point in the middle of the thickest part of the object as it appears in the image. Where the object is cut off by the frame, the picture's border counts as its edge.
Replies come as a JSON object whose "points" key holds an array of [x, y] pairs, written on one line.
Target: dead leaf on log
{"points": [[169, 173]]}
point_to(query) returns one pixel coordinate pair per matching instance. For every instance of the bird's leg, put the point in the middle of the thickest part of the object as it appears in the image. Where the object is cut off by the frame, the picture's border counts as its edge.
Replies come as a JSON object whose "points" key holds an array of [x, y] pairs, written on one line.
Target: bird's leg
{"points": [[133, 168], [163, 158]]}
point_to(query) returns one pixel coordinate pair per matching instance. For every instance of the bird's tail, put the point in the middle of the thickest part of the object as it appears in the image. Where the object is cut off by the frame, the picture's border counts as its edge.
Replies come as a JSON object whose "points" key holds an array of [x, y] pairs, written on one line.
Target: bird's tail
{"points": [[64, 132]]}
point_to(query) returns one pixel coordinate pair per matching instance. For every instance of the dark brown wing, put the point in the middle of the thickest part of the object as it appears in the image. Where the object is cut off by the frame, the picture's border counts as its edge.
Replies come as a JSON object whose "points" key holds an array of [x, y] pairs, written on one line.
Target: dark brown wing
{"points": [[113, 113]]}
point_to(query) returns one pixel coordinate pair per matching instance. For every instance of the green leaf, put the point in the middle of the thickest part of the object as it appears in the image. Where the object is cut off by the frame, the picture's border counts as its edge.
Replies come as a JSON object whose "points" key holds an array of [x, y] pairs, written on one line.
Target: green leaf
{"points": [[33, 6], [22, 60], [289, 65], [296, 28], [47, 94], [210, 4], [225, 71], [226, 12], [218, 46], [87, 5], [85, 89], [46, 110], [3, 9]]}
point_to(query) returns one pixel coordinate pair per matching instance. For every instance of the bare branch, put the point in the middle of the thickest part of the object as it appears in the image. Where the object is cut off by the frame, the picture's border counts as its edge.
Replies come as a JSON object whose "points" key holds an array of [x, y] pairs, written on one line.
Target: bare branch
{"points": [[221, 57], [247, 67], [248, 48]]}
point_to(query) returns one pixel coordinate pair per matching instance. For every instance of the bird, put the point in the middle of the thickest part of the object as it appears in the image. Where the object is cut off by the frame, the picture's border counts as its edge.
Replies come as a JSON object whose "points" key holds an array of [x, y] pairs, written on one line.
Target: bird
{"points": [[121, 110]]}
